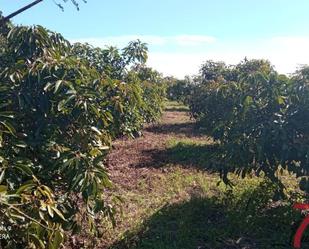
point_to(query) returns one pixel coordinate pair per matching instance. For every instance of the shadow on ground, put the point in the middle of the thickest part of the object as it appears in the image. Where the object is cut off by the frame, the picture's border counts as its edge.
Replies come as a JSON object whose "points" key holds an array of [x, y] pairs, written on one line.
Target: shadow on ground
{"points": [[187, 129], [177, 109], [183, 154], [222, 222]]}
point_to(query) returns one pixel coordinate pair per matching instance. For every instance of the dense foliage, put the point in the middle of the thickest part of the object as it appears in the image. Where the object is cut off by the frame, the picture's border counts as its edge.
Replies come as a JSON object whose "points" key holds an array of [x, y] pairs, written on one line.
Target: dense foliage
{"points": [[140, 99], [60, 107], [178, 90], [259, 118]]}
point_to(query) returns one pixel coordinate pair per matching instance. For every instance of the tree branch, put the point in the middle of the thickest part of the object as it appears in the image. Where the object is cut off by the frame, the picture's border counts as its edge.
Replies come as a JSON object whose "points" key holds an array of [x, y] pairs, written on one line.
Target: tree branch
{"points": [[6, 19]]}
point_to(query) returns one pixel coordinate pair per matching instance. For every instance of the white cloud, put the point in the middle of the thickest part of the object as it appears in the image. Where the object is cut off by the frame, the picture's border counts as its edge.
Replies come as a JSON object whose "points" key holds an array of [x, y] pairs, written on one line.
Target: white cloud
{"points": [[182, 64], [193, 40], [153, 40], [285, 53], [186, 53], [121, 41], [175, 64], [288, 40]]}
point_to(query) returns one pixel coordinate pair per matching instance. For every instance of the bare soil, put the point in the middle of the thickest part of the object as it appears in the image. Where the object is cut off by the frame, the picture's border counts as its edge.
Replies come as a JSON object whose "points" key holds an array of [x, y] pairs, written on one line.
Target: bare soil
{"points": [[128, 157]]}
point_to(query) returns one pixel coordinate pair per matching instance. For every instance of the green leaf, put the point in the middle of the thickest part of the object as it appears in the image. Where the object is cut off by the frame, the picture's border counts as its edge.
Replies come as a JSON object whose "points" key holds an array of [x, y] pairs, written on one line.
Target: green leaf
{"points": [[57, 240], [9, 127], [280, 100], [95, 152], [47, 86], [7, 114], [57, 85], [2, 176], [12, 78], [24, 168], [37, 241], [21, 144], [96, 130], [3, 188], [50, 211], [248, 101], [58, 212], [64, 102], [25, 187], [16, 215]]}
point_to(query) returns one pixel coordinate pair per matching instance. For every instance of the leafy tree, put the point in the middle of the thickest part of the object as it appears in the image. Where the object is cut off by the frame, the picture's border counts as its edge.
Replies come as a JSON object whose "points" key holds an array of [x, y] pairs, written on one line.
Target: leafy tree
{"points": [[110, 61], [58, 114], [213, 71], [249, 67], [107, 61], [4, 29], [148, 74], [260, 120], [179, 90], [53, 127], [4, 56], [136, 52]]}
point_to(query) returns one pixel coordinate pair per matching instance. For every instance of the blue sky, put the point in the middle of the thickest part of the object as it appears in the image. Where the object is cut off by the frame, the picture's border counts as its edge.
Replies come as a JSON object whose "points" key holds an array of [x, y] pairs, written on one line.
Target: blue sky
{"points": [[182, 34]]}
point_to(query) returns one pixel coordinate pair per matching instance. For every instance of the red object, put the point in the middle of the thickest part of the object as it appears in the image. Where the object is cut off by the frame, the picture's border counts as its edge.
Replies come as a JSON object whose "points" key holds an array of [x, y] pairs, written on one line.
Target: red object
{"points": [[303, 225]]}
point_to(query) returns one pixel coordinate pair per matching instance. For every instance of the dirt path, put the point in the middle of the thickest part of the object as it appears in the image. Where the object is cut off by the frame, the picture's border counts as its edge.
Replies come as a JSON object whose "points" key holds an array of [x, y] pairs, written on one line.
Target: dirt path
{"points": [[172, 200], [128, 160], [143, 177]]}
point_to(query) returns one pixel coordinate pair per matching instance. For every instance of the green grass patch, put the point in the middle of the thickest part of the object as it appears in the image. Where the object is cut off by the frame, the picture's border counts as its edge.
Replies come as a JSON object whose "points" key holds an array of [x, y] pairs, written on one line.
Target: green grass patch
{"points": [[175, 106], [187, 152], [190, 208], [207, 216]]}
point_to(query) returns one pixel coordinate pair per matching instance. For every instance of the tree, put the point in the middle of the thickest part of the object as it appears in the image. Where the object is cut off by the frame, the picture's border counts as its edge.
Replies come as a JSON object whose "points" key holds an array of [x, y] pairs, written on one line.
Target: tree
{"points": [[148, 74], [58, 115], [260, 120], [113, 62], [4, 56], [54, 123], [136, 52], [213, 71], [249, 67]]}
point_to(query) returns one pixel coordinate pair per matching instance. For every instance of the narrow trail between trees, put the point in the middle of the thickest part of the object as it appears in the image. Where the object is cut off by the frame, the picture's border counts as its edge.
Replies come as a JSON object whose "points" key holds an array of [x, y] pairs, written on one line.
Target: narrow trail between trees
{"points": [[133, 159], [148, 176], [171, 200]]}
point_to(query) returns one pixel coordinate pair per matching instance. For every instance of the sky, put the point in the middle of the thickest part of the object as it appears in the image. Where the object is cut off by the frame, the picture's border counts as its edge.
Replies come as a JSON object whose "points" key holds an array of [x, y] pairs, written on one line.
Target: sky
{"points": [[183, 34]]}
